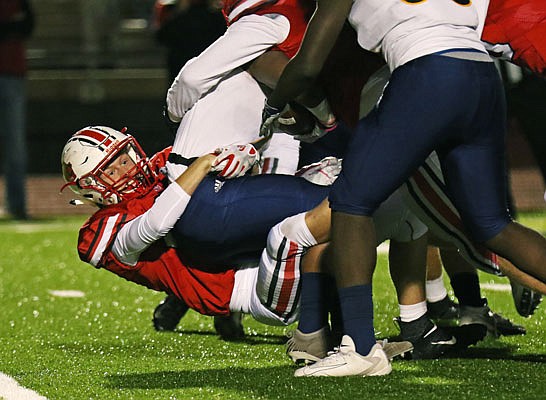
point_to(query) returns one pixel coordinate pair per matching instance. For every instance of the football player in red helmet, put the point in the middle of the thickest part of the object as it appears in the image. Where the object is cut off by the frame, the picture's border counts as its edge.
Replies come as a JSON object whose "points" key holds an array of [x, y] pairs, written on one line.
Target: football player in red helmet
{"points": [[137, 208], [105, 166]]}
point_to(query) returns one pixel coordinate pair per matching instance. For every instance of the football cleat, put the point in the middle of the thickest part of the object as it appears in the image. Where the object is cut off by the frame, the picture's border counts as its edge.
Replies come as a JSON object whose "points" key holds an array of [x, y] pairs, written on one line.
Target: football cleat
{"points": [[396, 349], [168, 313], [525, 299], [345, 361], [230, 327], [428, 340], [495, 323], [466, 335], [308, 348], [444, 310]]}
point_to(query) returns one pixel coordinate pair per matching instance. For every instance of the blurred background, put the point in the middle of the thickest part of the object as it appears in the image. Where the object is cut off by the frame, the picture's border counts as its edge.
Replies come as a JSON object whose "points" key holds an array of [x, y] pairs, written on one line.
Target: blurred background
{"points": [[99, 62], [93, 62], [89, 63]]}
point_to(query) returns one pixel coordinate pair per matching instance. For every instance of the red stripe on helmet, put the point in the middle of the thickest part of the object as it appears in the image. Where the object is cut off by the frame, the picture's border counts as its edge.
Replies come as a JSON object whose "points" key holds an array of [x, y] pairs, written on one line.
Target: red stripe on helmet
{"points": [[97, 135]]}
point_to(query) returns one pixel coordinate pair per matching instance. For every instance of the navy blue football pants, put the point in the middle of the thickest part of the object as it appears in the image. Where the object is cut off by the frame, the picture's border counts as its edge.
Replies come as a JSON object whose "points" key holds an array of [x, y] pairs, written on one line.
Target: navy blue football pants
{"points": [[450, 105], [227, 222]]}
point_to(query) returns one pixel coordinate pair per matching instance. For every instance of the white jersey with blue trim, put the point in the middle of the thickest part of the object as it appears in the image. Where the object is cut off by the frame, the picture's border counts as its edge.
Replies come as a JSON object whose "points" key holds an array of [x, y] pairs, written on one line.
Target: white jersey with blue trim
{"points": [[404, 30]]}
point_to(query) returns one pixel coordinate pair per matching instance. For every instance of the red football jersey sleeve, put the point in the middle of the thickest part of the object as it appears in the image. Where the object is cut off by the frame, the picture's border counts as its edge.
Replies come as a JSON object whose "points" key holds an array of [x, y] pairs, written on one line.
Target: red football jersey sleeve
{"points": [[517, 28], [298, 13]]}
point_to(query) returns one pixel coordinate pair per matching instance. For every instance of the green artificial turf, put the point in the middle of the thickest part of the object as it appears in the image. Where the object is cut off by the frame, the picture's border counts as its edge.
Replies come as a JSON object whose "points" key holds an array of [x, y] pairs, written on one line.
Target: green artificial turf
{"points": [[103, 345]]}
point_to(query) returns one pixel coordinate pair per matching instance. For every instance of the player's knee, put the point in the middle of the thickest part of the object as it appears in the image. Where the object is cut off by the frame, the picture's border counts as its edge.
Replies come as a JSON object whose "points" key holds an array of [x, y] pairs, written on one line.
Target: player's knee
{"points": [[346, 199], [483, 229]]}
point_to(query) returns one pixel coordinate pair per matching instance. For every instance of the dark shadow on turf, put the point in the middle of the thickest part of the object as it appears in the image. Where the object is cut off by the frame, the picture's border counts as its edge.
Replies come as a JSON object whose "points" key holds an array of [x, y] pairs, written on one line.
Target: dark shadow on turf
{"points": [[278, 382], [490, 353], [258, 338], [234, 378]]}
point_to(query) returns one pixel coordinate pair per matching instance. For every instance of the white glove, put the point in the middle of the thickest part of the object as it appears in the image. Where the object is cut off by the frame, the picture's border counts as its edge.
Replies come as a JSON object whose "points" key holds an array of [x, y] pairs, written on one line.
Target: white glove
{"points": [[323, 173], [235, 160]]}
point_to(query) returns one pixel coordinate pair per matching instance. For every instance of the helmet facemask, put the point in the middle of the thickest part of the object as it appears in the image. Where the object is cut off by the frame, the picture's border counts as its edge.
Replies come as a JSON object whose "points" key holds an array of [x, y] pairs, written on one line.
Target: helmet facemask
{"points": [[122, 170]]}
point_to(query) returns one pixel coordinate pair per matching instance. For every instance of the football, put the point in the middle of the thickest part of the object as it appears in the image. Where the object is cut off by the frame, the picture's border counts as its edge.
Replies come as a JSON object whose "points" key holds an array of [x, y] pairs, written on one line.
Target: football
{"points": [[296, 120]]}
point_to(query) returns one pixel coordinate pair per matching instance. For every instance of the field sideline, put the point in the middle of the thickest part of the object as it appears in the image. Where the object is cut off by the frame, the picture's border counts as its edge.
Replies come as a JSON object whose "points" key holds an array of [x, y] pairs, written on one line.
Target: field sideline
{"points": [[68, 331]]}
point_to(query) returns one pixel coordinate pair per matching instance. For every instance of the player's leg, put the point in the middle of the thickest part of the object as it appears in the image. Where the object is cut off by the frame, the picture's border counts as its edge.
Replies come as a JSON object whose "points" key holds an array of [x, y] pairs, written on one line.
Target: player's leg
{"points": [[439, 306], [232, 222], [473, 308], [426, 195], [312, 339], [389, 143], [408, 272], [13, 136], [525, 248], [480, 197]]}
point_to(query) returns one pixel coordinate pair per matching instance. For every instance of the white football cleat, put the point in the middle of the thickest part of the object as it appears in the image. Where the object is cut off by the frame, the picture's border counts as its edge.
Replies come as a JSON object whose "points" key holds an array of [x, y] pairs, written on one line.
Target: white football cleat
{"points": [[308, 348], [396, 349], [347, 362]]}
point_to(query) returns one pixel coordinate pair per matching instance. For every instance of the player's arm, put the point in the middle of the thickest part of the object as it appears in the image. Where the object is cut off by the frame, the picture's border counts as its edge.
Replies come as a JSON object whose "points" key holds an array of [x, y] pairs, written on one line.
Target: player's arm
{"points": [[135, 236], [267, 70], [243, 41], [320, 37]]}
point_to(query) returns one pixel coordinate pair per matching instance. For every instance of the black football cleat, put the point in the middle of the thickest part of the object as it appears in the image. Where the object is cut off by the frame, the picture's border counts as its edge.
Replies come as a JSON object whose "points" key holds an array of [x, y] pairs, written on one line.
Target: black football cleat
{"points": [[496, 324], [230, 327], [429, 341], [168, 313], [445, 310]]}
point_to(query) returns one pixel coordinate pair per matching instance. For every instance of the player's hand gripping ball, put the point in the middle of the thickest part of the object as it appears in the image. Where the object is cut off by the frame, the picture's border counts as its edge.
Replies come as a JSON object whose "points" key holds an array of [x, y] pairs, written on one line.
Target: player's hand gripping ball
{"points": [[296, 120]]}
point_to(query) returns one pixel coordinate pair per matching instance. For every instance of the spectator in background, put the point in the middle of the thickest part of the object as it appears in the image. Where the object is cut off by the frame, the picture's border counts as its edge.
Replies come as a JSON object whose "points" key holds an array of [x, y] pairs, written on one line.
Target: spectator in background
{"points": [[16, 25], [186, 28]]}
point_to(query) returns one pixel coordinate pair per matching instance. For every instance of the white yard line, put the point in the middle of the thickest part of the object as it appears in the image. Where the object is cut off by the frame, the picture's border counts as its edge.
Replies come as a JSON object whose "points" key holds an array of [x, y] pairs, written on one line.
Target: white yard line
{"points": [[11, 390], [383, 248], [497, 287], [67, 293]]}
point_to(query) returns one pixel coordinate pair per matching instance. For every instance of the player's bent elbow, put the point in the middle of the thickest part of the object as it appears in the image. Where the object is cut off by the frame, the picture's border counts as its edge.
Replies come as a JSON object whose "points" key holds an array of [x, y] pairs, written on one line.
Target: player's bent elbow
{"points": [[191, 77]]}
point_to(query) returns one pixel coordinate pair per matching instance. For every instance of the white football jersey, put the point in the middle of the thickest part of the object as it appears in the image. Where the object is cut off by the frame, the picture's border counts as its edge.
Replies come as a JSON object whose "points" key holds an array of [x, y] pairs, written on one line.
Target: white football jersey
{"points": [[231, 114], [405, 30]]}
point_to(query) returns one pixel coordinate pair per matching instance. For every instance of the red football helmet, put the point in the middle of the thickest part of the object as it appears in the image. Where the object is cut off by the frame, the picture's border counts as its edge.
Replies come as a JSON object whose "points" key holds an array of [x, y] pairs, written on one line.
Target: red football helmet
{"points": [[87, 155]]}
